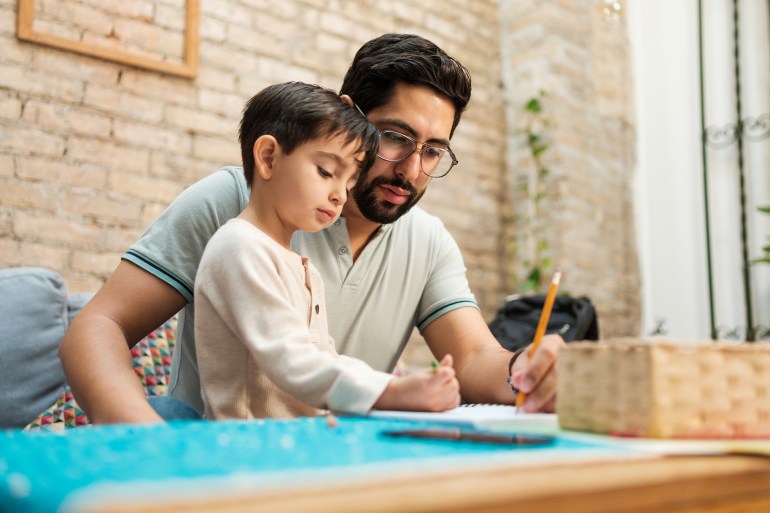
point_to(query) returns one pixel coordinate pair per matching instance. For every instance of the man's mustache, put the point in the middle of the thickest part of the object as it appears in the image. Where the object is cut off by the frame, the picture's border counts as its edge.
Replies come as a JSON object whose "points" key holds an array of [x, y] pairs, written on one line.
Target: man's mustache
{"points": [[393, 182]]}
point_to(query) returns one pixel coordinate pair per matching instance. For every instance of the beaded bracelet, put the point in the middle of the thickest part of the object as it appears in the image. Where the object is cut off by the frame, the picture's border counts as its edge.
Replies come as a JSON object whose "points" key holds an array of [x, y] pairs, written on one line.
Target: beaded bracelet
{"points": [[510, 369]]}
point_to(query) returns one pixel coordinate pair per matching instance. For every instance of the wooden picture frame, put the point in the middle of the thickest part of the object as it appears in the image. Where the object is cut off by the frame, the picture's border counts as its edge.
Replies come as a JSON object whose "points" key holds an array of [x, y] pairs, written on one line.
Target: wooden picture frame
{"points": [[188, 68]]}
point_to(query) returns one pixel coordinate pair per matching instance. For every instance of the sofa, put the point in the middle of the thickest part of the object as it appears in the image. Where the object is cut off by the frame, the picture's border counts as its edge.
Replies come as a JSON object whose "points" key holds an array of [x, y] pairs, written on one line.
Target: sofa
{"points": [[35, 311]]}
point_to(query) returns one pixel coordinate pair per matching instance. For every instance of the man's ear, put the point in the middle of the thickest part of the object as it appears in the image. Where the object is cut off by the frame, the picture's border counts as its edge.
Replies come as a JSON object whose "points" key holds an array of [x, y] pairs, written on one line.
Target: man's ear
{"points": [[346, 99], [266, 148]]}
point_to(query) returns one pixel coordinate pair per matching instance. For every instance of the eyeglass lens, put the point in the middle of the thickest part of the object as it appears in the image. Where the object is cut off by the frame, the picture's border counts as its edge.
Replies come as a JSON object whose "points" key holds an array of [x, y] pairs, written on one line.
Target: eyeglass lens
{"points": [[394, 147]]}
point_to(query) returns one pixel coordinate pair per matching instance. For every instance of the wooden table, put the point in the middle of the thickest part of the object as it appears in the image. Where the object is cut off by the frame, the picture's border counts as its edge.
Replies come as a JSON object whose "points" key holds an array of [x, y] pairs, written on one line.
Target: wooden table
{"points": [[710, 484]]}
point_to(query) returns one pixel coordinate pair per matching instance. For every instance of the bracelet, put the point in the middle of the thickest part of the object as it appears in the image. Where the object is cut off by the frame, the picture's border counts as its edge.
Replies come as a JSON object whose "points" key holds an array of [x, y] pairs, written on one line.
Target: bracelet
{"points": [[510, 368]]}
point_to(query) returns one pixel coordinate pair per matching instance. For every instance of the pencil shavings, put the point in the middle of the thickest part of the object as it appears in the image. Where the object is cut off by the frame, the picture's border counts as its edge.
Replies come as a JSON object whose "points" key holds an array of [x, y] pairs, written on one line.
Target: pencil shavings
{"points": [[665, 389]]}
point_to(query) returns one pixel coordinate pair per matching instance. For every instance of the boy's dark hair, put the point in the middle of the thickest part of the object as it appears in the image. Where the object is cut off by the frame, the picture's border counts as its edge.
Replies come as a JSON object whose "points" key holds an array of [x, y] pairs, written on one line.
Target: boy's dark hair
{"points": [[393, 58], [294, 113]]}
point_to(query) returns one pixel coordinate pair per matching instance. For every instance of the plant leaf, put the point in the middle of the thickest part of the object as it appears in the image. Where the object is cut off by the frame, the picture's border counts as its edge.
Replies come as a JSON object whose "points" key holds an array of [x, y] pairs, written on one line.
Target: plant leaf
{"points": [[533, 105]]}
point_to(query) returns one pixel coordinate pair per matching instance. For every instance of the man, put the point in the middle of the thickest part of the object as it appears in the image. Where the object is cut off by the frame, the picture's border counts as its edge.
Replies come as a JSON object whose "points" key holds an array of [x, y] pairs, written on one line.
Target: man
{"points": [[387, 266]]}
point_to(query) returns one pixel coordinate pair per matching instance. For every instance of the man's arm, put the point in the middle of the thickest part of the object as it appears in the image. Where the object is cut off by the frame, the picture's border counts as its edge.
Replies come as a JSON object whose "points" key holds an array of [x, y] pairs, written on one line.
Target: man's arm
{"points": [[95, 350], [481, 362]]}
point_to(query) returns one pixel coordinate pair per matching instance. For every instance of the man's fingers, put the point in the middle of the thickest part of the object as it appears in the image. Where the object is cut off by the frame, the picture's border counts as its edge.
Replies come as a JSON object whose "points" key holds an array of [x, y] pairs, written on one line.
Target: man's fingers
{"points": [[541, 363], [538, 378]]}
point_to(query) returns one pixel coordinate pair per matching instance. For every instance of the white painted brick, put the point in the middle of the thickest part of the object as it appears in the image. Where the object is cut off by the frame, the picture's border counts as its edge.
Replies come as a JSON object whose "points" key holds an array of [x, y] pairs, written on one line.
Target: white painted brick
{"points": [[6, 165], [10, 108], [102, 207], [9, 252], [101, 264], [143, 187], [195, 120], [123, 104], [118, 239], [108, 154], [212, 30], [26, 196], [221, 103], [56, 230], [14, 51], [58, 171], [43, 255], [209, 148], [84, 284], [151, 136], [26, 140]]}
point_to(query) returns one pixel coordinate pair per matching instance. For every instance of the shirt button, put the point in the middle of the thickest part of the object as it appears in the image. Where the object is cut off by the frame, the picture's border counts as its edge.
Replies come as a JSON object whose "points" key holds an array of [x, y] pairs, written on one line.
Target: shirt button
{"points": [[342, 250], [337, 222]]}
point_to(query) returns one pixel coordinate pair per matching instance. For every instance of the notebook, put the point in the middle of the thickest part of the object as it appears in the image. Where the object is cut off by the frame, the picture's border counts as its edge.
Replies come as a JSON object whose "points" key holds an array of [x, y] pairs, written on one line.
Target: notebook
{"points": [[480, 416]]}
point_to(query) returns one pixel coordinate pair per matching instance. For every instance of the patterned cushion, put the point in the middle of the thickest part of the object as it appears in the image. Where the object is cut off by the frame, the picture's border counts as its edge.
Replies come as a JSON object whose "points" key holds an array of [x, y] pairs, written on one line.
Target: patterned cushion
{"points": [[151, 359]]}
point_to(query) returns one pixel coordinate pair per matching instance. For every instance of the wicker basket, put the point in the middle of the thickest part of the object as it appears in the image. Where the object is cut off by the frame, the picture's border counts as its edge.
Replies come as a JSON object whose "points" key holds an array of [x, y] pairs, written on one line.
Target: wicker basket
{"points": [[665, 389]]}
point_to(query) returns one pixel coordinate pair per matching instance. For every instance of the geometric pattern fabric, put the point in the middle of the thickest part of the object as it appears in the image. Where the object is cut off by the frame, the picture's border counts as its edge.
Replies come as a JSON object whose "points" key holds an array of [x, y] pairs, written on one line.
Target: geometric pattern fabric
{"points": [[151, 359]]}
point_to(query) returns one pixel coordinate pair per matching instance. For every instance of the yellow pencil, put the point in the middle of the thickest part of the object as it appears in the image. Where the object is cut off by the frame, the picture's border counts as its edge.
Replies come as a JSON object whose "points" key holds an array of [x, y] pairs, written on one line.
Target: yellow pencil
{"points": [[542, 324]]}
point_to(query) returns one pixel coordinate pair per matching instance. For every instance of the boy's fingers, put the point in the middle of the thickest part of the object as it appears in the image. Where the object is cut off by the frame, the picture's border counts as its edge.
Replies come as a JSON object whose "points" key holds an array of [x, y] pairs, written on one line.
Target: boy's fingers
{"points": [[447, 360]]}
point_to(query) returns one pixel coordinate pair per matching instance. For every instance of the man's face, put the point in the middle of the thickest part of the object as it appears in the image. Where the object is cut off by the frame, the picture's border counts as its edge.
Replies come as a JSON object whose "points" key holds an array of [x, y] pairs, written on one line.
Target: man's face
{"points": [[390, 189]]}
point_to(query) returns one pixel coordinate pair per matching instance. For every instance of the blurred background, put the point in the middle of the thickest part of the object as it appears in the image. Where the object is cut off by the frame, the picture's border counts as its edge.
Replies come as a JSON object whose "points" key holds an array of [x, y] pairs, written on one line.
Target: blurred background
{"points": [[623, 141]]}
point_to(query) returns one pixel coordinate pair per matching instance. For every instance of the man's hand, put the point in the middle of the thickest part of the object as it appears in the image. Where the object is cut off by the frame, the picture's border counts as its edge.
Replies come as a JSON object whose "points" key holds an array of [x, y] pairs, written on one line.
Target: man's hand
{"points": [[425, 390], [537, 377]]}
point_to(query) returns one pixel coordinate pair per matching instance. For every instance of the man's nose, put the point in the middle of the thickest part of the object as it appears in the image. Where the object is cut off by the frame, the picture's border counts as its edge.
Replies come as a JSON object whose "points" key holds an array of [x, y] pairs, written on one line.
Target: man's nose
{"points": [[409, 168]]}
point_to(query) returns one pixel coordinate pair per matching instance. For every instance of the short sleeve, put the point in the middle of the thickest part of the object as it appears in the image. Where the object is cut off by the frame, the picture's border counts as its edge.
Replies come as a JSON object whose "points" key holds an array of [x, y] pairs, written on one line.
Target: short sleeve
{"points": [[447, 286], [172, 246]]}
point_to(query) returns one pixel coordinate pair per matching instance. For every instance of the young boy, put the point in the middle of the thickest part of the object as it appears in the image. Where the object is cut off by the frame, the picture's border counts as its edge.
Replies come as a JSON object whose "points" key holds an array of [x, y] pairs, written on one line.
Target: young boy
{"points": [[260, 318]]}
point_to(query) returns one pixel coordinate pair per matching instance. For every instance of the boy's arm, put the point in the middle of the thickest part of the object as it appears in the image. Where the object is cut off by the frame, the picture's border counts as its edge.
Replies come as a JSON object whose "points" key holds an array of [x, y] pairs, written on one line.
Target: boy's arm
{"points": [[481, 362], [95, 350]]}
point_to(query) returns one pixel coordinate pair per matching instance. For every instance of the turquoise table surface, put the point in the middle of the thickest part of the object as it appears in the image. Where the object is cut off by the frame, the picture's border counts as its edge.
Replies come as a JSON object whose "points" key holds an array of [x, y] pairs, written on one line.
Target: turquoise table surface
{"points": [[71, 470]]}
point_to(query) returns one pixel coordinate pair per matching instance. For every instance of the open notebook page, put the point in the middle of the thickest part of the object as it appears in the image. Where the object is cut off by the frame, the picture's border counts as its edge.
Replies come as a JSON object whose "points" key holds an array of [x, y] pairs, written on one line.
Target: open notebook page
{"points": [[478, 416]]}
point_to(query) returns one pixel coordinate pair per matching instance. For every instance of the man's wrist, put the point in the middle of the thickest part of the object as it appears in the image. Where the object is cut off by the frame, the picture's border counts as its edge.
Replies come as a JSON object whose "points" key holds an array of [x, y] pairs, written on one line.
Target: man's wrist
{"points": [[515, 357]]}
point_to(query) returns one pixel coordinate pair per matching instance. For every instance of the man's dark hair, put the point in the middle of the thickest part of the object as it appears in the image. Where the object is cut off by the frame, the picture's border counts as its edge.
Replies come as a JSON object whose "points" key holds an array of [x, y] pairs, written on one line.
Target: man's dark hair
{"points": [[294, 113], [393, 58]]}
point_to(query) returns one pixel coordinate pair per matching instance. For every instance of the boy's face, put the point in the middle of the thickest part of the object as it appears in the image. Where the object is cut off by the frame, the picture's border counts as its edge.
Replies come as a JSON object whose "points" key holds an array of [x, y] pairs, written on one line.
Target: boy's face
{"points": [[311, 184], [390, 189]]}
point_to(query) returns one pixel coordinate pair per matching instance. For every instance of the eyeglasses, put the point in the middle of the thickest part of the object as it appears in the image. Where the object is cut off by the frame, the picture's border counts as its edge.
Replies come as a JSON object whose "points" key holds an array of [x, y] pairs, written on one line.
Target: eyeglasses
{"points": [[435, 161]]}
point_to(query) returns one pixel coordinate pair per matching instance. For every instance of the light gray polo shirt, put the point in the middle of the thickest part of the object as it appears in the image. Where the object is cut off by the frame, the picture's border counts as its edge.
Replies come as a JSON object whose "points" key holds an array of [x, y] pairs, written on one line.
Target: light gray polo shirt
{"points": [[409, 274]]}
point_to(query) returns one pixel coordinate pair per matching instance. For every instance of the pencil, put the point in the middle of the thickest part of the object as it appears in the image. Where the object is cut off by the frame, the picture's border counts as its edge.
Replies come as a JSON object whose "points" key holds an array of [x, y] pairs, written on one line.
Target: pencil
{"points": [[435, 365], [542, 324]]}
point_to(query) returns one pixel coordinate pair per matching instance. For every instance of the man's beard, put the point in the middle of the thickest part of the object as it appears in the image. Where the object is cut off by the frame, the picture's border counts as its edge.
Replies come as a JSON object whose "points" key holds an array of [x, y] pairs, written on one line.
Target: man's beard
{"points": [[381, 211]]}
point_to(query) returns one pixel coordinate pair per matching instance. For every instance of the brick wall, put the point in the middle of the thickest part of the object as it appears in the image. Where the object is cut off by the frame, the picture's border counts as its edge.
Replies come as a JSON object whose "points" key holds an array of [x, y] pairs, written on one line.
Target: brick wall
{"points": [[582, 62], [91, 151]]}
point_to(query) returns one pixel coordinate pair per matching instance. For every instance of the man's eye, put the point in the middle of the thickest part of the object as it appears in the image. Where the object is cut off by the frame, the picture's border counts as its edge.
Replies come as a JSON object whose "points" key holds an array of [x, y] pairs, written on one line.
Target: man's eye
{"points": [[395, 138], [324, 173], [434, 153]]}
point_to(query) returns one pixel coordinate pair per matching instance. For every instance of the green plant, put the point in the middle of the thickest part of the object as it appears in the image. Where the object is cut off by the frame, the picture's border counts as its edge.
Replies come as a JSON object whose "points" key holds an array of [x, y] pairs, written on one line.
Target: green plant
{"points": [[531, 228], [766, 249]]}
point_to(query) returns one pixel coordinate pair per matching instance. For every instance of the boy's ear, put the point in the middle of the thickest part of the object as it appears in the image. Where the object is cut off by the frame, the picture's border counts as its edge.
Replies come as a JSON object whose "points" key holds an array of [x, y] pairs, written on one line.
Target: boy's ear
{"points": [[266, 148]]}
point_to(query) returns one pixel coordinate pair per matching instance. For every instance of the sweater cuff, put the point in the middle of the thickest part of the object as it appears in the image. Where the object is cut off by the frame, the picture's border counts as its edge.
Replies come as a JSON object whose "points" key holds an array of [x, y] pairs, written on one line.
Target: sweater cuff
{"points": [[357, 393]]}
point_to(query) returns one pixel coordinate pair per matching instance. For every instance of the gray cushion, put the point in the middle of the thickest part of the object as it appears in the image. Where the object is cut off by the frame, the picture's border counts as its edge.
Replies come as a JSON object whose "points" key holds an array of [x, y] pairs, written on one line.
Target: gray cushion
{"points": [[33, 319], [75, 303]]}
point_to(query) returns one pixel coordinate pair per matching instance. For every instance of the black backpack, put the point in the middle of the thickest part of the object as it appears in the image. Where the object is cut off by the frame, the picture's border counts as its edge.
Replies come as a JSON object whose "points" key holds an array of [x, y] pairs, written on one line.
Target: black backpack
{"points": [[574, 318]]}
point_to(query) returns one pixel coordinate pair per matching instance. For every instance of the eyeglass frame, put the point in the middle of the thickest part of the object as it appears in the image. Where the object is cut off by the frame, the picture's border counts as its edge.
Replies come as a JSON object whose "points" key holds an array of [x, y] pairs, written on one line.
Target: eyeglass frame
{"points": [[420, 152], [416, 142]]}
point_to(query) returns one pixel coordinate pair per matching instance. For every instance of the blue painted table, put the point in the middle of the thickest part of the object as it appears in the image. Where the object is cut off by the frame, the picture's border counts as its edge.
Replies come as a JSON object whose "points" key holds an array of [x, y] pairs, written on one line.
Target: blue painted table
{"points": [[89, 467]]}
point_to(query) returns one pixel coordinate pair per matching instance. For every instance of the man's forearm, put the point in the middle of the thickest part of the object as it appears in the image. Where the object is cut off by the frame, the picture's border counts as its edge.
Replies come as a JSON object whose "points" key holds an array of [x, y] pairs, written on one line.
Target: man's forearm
{"points": [[484, 379], [97, 363]]}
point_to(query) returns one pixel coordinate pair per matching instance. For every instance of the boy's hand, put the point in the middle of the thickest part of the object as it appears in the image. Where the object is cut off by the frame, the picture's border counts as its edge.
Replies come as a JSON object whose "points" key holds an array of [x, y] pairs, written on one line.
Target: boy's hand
{"points": [[425, 390]]}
